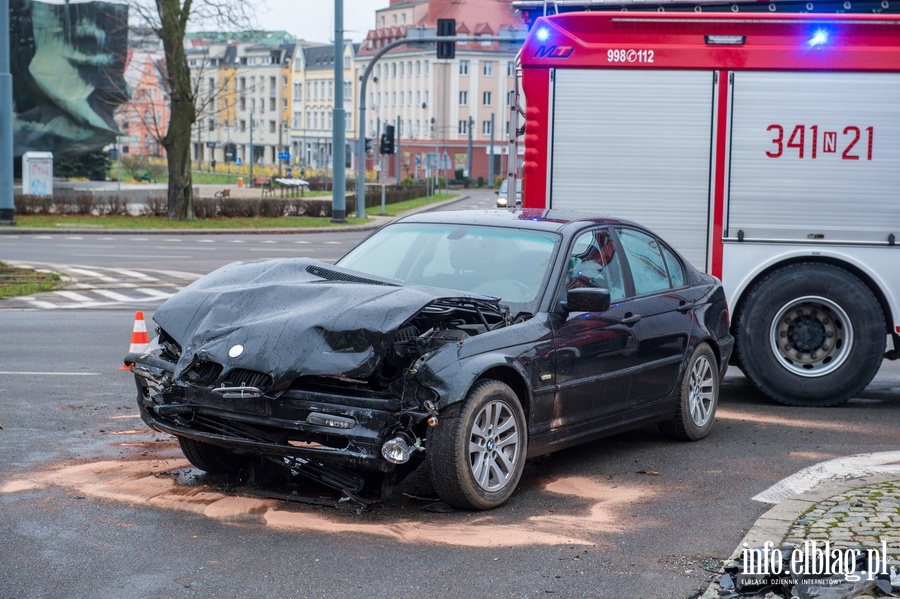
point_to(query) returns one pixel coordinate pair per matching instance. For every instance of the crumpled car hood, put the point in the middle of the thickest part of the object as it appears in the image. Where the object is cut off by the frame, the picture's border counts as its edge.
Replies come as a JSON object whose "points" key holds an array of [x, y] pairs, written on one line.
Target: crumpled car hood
{"points": [[291, 321]]}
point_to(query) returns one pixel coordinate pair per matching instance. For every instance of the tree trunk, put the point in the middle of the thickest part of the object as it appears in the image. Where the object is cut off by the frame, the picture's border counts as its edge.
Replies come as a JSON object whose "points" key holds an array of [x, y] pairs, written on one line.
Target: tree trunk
{"points": [[177, 142], [180, 196]]}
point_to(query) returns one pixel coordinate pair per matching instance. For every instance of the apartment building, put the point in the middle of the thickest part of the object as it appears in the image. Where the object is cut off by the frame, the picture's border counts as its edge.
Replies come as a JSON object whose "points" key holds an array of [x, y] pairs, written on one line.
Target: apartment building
{"points": [[244, 97], [313, 105], [436, 104], [144, 118]]}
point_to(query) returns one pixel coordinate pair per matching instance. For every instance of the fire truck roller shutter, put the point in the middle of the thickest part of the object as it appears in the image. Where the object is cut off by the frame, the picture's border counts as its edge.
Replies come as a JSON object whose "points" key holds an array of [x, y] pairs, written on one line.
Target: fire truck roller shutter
{"points": [[623, 139]]}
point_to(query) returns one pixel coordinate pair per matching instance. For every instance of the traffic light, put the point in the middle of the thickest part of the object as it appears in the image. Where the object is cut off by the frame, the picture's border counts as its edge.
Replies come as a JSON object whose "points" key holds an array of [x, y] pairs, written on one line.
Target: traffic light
{"points": [[370, 148], [446, 28], [387, 140]]}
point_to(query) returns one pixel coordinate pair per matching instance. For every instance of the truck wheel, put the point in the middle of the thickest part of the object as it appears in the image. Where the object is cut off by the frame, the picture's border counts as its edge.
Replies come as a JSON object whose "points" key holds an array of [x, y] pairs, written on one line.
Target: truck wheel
{"points": [[810, 335], [476, 459], [699, 398], [211, 458]]}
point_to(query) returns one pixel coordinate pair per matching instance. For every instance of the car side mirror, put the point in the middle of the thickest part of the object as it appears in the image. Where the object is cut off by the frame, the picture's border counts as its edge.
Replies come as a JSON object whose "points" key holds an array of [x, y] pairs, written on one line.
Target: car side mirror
{"points": [[587, 299]]}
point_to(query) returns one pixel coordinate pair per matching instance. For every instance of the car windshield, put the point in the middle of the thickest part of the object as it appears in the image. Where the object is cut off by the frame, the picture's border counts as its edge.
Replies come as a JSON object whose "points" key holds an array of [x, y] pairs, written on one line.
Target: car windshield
{"points": [[502, 262]]}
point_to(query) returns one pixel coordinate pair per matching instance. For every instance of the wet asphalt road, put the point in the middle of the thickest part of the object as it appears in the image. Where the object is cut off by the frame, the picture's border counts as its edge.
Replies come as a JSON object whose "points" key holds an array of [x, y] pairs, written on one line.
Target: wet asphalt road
{"points": [[94, 505]]}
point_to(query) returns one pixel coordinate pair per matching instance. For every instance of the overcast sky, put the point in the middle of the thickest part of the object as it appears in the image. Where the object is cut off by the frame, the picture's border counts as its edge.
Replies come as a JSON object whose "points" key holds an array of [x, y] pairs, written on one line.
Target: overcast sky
{"points": [[313, 20]]}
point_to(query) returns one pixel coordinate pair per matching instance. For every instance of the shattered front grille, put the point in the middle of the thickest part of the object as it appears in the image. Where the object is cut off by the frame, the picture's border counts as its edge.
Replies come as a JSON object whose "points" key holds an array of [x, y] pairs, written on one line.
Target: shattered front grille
{"points": [[240, 377], [203, 373]]}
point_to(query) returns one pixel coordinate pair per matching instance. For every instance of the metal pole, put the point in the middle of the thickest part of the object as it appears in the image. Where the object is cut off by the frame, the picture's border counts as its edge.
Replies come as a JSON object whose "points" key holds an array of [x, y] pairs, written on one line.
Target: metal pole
{"points": [[250, 174], [397, 152], [338, 132], [491, 159], [7, 202], [469, 152]]}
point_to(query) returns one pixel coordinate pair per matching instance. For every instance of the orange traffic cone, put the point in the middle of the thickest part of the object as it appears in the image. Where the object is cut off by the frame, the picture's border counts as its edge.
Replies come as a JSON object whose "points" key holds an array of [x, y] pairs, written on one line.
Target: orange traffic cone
{"points": [[139, 339]]}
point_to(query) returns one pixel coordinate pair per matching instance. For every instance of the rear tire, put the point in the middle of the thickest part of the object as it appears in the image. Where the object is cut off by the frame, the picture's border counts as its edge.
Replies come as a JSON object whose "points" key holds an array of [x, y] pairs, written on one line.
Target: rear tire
{"points": [[699, 399], [476, 459], [810, 335], [212, 458]]}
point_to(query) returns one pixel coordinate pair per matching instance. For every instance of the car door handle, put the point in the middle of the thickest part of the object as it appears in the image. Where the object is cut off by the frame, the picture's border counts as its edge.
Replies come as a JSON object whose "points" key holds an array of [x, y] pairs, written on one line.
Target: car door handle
{"points": [[685, 307], [630, 318]]}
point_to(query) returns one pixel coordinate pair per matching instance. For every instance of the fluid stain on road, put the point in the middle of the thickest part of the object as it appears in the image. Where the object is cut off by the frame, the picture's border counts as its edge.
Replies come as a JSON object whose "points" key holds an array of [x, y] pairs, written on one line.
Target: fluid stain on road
{"points": [[168, 482]]}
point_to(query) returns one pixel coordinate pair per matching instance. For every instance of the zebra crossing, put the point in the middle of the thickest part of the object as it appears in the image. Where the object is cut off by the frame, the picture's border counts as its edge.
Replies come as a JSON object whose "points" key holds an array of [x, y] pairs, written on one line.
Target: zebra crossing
{"points": [[95, 287]]}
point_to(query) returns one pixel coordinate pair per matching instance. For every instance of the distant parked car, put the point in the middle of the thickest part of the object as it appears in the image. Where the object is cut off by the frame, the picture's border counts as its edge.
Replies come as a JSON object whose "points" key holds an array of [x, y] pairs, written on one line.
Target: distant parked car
{"points": [[467, 340], [503, 195]]}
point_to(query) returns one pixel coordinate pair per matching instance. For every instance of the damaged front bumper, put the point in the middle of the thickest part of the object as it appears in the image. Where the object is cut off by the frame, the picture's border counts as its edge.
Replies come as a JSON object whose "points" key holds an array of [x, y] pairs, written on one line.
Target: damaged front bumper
{"points": [[322, 427]]}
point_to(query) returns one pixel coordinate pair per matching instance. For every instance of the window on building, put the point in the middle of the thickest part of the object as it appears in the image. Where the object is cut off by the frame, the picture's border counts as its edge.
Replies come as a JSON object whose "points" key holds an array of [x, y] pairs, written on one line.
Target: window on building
{"points": [[243, 125], [463, 67], [464, 127], [463, 98], [393, 69], [426, 68], [486, 128], [510, 98], [402, 70], [487, 68], [487, 98], [510, 69], [418, 68], [271, 126]]}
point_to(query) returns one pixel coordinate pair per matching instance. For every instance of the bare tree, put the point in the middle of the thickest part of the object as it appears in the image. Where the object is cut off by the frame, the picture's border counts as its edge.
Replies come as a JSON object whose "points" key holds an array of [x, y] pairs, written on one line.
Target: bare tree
{"points": [[170, 20]]}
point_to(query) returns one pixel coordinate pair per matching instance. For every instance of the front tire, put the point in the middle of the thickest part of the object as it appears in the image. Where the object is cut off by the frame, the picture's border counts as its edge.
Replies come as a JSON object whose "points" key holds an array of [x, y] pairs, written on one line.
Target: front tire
{"points": [[212, 458], [810, 335], [699, 398], [476, 459]]}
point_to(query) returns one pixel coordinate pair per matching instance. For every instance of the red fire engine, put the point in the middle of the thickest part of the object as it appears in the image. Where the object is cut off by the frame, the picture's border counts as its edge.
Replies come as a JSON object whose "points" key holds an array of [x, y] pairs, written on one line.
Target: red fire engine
{"points": [[764, 146]]}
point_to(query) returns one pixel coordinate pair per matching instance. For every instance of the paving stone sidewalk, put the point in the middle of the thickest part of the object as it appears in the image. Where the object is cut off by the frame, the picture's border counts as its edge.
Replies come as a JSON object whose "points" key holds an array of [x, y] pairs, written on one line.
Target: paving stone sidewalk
{"points": [[862, 513]]}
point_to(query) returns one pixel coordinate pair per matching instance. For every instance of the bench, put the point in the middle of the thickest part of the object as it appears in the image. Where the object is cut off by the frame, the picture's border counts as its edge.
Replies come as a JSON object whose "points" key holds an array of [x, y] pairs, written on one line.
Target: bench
{"points": [[265, 183]]}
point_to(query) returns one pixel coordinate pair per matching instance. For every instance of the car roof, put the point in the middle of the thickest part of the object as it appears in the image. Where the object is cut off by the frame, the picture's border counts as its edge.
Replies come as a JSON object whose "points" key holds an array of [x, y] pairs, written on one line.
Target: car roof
{"points": [[519, 218]]}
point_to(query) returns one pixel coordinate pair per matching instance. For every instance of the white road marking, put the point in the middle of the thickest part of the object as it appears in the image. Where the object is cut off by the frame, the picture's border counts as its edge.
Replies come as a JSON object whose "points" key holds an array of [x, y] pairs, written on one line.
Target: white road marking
{"points": [[134, 274], [92, 273], [113, 295], [74, 296], [24, 372], [154, 293], [855, 466], [39, 303]]}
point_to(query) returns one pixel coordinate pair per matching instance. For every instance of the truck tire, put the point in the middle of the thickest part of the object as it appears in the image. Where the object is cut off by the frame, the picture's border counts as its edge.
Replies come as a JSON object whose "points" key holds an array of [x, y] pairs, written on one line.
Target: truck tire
{"points": [[810, 334]]}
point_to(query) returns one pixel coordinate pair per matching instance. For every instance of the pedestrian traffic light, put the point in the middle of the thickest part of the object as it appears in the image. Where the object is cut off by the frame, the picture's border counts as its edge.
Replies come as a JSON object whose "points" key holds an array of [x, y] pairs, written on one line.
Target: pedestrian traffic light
{"points": [[446, 28], [370, 148], [387, 140]]}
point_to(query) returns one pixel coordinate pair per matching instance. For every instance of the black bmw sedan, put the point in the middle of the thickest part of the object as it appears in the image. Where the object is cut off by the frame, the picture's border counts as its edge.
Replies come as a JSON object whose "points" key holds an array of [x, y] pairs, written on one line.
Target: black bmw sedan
{"points": [[468, 340]]}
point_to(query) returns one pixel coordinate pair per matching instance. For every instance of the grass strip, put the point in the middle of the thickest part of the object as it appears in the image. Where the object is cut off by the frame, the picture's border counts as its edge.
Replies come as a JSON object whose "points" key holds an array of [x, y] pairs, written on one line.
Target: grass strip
{"points": [[16, 281]]}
